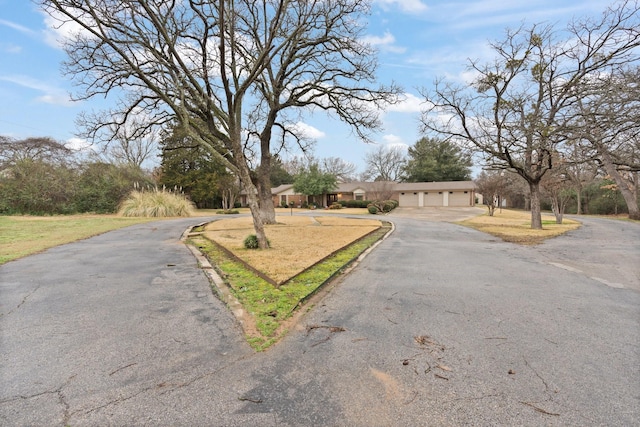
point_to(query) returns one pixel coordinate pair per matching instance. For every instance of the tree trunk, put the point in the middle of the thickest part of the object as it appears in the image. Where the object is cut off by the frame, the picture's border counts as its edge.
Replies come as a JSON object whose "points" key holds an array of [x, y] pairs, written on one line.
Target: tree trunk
{"points": [[254, 205], [628, 194], [536, 216], [263, 185], [263, 173], [578, 201], [557, 206], [258, 225], [267, 209]]}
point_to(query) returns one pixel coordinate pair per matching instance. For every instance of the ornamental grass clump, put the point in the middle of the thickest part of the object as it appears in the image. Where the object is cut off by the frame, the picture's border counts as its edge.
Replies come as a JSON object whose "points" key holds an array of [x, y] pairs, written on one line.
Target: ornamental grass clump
{"points": [[156, 203]]}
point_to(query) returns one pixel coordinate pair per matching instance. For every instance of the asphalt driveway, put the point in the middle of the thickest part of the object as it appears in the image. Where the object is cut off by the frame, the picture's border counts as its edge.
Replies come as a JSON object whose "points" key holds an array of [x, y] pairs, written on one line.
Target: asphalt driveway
{"points": [[440, 325]]}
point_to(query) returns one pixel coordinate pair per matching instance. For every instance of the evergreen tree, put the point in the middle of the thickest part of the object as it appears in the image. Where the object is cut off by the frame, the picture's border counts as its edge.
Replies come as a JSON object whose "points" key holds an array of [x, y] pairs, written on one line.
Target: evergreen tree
{"points": [[192, 169], [436, 160]]}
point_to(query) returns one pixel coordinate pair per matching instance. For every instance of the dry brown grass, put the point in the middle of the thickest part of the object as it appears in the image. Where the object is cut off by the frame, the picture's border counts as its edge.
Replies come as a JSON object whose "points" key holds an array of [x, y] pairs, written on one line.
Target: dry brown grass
{"points": [[515, 226], [25, 235], [297, 242]]}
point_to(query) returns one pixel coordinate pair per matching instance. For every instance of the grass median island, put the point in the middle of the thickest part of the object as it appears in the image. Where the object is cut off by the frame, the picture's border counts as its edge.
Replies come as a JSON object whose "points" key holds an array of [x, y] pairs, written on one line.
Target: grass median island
{"points": [[515, 226], [306, 252]]}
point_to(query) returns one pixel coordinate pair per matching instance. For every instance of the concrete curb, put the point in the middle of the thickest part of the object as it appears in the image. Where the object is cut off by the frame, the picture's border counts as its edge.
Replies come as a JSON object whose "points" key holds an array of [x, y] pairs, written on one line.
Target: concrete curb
{"points": [[222, 290]]}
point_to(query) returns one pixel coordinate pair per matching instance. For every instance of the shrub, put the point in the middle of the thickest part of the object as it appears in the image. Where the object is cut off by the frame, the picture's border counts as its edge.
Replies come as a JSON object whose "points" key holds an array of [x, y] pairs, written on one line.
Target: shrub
{"points": [[156, 203], [372, 209], [388, 206], [36, 187], [251, 242], [357, 203], [335, 205], [102, 186]]}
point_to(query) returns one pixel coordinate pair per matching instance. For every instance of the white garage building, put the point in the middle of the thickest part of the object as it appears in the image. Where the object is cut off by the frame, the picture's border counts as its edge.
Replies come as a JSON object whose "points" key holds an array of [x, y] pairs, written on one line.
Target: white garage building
{"points": [[432, 194]]}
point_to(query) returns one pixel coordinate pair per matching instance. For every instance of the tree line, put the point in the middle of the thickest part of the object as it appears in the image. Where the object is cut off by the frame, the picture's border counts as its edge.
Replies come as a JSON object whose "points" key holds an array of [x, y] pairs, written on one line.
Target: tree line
{"points": [[41, 176]]}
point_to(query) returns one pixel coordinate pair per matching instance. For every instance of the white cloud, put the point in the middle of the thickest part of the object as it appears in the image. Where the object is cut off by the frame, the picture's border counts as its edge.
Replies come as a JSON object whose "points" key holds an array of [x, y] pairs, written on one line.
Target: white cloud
{"points": [[17, 27], [55, 99], [410, 103], [10, 48], [52, 95], [307, 131], [386, 42], [78, 144], [408, 6], [59, 29], [394, 141]]}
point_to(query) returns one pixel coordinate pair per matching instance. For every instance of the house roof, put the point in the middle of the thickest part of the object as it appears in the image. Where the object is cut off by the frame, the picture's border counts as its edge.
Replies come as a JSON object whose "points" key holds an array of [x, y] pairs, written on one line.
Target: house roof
{"points": [[350, 187], [281, 188], [435, 186]]}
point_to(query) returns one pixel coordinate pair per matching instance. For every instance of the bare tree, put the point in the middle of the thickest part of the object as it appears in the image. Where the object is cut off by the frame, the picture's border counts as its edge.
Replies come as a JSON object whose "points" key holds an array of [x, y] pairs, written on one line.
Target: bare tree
{"points": [[43, 149], [379, 190], [343, 171], [231, 72], [608, 121], [517, 110], [384, 163], [557, 186], [580, 169], [492, 185], [230, 189], [297, 164], [134, 150]]}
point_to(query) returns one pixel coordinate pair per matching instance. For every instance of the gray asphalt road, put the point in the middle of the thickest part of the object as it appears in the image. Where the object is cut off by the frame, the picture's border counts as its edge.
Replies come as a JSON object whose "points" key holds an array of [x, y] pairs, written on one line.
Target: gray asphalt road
{"points": [[442, 326]]}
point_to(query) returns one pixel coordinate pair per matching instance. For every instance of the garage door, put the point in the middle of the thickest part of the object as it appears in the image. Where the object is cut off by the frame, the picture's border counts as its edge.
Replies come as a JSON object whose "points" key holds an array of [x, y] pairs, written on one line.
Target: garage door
{"points": [[433, 198], [459, 198], [408, 200]]}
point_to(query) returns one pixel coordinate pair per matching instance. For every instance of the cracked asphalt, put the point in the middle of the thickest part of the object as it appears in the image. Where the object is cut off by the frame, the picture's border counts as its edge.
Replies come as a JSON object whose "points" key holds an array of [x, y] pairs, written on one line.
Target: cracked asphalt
{"points": [[439, 325]]}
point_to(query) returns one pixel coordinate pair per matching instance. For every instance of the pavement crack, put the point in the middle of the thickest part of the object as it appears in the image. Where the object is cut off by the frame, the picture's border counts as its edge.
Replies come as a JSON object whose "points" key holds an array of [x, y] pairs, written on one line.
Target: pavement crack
{"points": [[62, 399], [119, 400], [24, 300], [29, 396], [164, 386], [547, 388], [58, 392], [122, 368]]}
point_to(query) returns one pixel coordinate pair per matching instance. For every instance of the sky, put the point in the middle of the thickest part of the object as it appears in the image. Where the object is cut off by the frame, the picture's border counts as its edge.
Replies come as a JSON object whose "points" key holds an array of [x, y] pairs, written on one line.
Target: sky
{"points": [[417, 41]]}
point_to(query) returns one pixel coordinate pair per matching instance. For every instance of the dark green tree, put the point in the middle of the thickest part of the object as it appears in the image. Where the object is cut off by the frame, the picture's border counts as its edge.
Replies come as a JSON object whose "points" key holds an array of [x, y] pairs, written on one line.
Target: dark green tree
{"points": [[436, 160], [189, 167], [313, 182], [37, 187], [37, 176], [102, 186], [279, 175]]}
